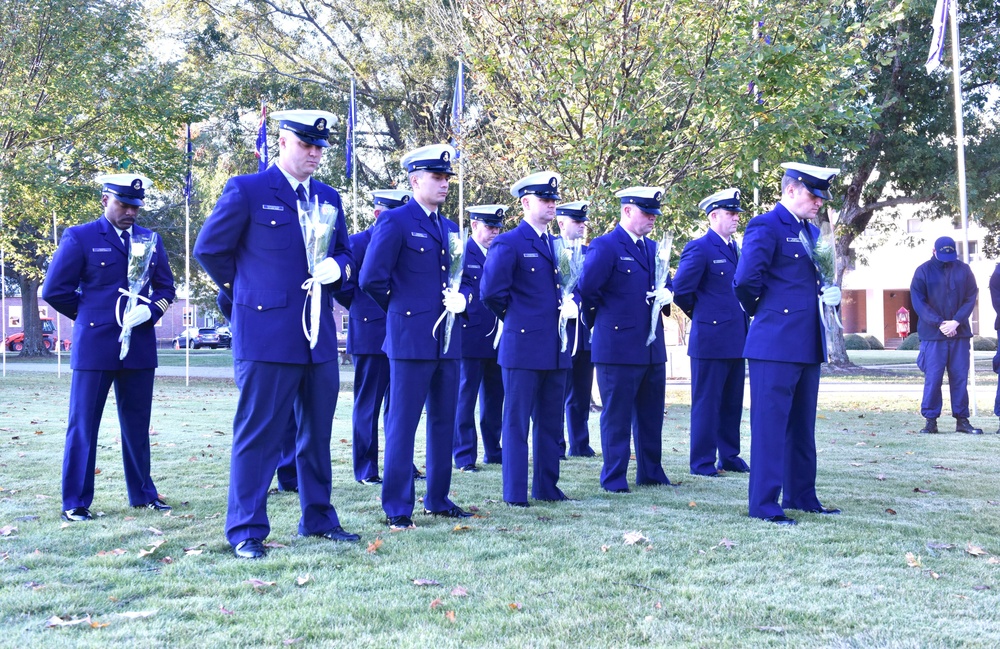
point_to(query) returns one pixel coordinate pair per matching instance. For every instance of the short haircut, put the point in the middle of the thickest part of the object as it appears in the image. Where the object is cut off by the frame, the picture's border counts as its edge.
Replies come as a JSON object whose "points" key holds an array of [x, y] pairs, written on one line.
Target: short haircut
{"points": [[788, 181]]}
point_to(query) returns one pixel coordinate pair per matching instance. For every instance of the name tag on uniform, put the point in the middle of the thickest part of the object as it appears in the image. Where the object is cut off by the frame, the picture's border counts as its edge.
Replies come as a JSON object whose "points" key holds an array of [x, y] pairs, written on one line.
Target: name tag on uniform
{"points": [[474, 266], [419, 235], [718, 261], [793, 240], [530, 254], [100, 250], [276, 208], [627, 258]]}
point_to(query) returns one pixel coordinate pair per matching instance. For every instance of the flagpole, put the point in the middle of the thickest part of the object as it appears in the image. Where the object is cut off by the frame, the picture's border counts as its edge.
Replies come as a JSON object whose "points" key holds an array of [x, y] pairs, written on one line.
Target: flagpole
{"points": [[963, 203], [353, 162], [3, 298], [55, 241], [187, 260]]}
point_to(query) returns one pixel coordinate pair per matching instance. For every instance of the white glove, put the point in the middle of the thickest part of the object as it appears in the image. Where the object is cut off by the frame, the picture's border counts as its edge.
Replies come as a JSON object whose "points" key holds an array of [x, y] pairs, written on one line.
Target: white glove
{"points": [[830, 295], [569, 310], [140, 313], [454, 301], [327, 271], [496, 338], [663, 295]]}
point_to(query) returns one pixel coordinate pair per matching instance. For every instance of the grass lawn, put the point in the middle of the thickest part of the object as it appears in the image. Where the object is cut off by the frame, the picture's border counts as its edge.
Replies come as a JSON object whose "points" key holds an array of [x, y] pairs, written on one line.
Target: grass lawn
{"points": [[912, 561]]}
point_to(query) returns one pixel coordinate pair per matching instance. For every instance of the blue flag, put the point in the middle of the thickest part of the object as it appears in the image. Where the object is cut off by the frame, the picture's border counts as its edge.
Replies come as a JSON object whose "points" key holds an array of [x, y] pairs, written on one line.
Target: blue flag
{"points": [[458, 106], [261, 149], [349, 145], [939, 25], [187, 180]]}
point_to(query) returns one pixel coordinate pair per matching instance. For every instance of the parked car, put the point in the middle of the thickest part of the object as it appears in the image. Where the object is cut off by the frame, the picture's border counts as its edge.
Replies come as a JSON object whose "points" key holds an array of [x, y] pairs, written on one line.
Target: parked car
{"points": [[225, 337], [197, 338]]}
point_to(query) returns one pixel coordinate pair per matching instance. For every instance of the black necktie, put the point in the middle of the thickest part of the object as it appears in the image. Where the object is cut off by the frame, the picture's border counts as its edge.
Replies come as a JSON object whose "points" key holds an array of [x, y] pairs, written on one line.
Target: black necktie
{"points": [[300, 191], [439, 224], [641, 245], [732, 246], [809, 235], [125, 240], [548, 246]]}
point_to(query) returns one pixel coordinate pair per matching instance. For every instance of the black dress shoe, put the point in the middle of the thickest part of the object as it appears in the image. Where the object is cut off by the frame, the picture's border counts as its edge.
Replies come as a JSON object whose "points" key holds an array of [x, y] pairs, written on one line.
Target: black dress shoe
{"points": [[962, 425], [736, 467], [930, 427], [823, 510], [77, 514], [372, 480], [417, 475], [400, 523], [469, 468], [339, 534], [250, 549], [288, 490], [452, 512], [156, 504], [623, 490], [780, 520], [587, 452], [517, 504]]}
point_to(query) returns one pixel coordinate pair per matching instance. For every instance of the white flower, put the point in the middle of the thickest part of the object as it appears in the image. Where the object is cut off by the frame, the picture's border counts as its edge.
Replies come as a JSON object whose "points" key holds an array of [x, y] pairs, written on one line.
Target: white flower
{"points": [[319, 229], [138, 250]]}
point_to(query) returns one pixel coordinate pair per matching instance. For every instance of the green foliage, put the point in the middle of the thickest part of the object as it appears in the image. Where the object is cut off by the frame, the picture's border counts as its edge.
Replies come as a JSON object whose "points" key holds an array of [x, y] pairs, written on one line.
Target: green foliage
{"points": [[874, 343], [910, 343], [854, 342], [984, 344]]}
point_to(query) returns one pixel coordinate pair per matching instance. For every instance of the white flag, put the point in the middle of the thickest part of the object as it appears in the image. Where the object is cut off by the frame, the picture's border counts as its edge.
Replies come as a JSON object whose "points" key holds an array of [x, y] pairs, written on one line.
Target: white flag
{"points": [[937, 38]]}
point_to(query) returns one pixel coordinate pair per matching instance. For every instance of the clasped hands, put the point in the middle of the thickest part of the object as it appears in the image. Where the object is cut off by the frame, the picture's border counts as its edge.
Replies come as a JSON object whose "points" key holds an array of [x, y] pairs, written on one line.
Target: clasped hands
{"points": [[949, 328], [662, 295]]}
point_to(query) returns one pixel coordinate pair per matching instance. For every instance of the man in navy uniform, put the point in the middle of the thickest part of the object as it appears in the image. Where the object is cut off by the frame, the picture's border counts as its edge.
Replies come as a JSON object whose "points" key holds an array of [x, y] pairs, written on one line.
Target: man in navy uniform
{"points": [[703, 288], [572, 221], [252, 246], [520, 285], [779, 286], [406, 273], [944, 292], [83, 283], [365, 337], [617, 287], [481, 377]]}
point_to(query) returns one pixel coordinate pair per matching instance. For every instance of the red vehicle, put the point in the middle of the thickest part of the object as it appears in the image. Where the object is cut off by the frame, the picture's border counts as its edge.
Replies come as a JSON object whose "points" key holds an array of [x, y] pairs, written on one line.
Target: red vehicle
{"points": [[15, 342]]}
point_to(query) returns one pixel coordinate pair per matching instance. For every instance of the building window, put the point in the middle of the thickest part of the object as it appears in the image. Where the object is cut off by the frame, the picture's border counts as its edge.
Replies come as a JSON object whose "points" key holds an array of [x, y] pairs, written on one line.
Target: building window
{"points": [[914, 225], [187, 316], [345, 321]]}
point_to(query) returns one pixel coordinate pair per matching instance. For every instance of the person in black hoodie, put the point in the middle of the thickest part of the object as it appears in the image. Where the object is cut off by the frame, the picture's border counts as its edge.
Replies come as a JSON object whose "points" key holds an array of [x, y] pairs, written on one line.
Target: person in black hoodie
{"points": [[944, 294]]}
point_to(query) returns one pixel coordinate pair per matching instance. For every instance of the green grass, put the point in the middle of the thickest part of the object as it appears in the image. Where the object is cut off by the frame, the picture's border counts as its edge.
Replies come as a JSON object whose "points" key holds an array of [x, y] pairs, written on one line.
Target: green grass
{"points": [[548, 576]]}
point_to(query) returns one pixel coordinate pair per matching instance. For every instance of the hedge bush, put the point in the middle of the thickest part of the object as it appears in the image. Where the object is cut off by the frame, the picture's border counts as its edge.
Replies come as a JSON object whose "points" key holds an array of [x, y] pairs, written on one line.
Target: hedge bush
{"points": [[874, 343], [911, 343], [983, 344], [854, 342]]}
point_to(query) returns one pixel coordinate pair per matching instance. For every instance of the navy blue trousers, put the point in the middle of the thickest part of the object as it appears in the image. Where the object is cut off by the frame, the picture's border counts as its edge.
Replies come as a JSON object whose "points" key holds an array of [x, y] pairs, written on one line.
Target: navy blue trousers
{"points": [[371, 393], [579, 384], [936, 357], [269, 394], [782, 436], [716, 411], [414, 384], [88, 394], [532, 398], [633, 399], [482, 380]]}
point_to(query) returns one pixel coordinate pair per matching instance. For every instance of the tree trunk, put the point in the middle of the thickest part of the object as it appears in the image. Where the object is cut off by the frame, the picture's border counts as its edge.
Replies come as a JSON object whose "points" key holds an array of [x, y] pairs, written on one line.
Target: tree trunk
{"points": [[34, 346]]}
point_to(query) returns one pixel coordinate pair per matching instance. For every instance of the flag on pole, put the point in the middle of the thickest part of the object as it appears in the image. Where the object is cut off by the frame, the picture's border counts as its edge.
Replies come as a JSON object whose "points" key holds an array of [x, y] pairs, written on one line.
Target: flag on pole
{"points": [[349, 145], [187, 180], [939, 25], [261, 149], [458, 107]]}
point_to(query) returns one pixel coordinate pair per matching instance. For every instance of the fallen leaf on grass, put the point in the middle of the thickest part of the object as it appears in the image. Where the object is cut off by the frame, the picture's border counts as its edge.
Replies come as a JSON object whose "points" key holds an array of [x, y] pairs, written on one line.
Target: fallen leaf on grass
{"points": [[515, 606], [55, 621], [890, 511], [856, 464], [426, 582], [726, 543], [983, 587], [108, 553], [658, 606], [605, 548], [933, 574], [993, 560], [461, 528], [880, 477], [942, 467], [772, 629], [225, 611], [169, 560], [692, 504], [450, 616], [976, 551], [374, 545], [913, 561], [64, 526], [941, 546], [7, 530], [291, 641], [458, 591], [273, 544], [99, 625], [190, 550], [918, 490], [259, 584], [631, 538], [153, 547], [135, 615], [437, 601], [302, 581], [155, 531]]}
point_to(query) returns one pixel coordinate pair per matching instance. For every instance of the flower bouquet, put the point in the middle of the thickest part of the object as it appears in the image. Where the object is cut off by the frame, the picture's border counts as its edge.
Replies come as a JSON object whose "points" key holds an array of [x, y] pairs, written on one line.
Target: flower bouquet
{"points": [[456, 265], [822, 257], [318, 224], [569, 255], [140, 256], [662, 272]]}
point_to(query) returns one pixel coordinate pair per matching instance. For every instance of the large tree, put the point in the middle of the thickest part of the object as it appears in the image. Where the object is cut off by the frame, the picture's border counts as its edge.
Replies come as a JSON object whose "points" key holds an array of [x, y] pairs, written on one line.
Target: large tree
{"points": [[80, 96]]}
